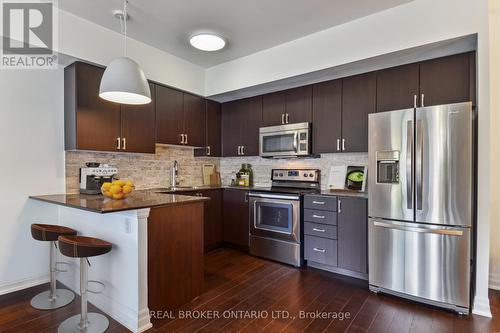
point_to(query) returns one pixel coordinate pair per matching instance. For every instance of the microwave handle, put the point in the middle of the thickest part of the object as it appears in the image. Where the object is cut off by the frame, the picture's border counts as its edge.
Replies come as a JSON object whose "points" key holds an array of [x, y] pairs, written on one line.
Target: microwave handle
{"points": [[296, 142]]}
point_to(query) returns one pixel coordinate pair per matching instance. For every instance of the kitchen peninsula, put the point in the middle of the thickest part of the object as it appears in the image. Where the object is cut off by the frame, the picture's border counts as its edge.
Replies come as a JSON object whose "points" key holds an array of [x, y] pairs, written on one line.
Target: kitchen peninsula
{"points": [[157, 258]]}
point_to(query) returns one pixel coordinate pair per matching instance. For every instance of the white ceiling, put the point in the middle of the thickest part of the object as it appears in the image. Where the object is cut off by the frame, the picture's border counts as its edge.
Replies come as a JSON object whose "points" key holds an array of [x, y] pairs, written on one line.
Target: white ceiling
{"points": [[247, 26]]}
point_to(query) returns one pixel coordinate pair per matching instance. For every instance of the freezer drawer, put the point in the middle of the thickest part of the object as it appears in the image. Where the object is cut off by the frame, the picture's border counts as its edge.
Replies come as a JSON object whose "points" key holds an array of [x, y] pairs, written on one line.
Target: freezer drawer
{"points": [[423, 262]]}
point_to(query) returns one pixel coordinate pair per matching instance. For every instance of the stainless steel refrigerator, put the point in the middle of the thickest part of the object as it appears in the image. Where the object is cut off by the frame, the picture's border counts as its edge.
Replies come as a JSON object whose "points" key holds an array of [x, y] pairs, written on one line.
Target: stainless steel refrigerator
{"points": [[420, 204]]}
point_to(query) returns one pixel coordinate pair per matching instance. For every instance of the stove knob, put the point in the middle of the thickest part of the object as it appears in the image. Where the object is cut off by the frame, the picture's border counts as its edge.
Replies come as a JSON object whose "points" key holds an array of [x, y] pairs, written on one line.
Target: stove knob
{"points": [[281, 175], [311, 175], [275, 174], [305, 175]]}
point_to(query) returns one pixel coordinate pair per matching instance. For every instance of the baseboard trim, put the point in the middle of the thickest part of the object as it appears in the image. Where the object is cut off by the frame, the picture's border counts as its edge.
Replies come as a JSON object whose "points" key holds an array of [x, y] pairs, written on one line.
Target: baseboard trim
{"points": [[10, 287], [494, 281], [481, 307]]}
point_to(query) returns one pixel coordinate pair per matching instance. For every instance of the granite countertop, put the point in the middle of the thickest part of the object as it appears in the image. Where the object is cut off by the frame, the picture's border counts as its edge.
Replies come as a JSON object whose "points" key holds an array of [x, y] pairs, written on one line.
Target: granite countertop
{"points": [[137, 200]]}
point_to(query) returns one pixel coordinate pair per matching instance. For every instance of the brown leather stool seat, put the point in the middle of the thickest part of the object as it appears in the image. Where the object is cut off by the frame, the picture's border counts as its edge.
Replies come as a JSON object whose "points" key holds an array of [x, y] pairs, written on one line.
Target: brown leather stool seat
{"points": [[50, 232], [82, 247]]}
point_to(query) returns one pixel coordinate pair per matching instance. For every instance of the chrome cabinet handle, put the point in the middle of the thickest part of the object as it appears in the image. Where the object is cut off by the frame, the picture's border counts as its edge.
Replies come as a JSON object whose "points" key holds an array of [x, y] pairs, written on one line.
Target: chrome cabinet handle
{"points": [[287, 118], [339, 206], [318, 230], [318, 216], [319, 250], [208, 151], [186, 140], [318, 202], [422, 100], [182, 139], [124, 143], [414, 101], [409, 165], [239, 150], [119, 143], [282, 118], [343, 144], [338, 144], [242, 150]]}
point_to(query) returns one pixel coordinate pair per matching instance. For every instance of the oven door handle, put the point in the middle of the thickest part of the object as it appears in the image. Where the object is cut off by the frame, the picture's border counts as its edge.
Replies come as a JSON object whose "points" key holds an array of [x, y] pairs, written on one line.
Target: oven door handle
{"points": [[274, 196]]}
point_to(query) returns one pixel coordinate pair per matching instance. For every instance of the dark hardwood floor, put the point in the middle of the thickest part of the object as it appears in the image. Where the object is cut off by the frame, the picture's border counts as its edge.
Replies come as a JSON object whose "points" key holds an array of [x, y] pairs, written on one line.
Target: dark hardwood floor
{"points": [[236, 283]]}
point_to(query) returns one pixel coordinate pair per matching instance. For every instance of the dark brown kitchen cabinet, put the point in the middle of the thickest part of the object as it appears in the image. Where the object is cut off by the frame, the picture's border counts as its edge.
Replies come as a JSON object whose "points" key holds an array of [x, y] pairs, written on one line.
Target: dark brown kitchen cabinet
{"points": [[194, 120], [213, 131], [212, 226], [327, 116], [138, 126], [352, 234], [397, 88], [359, 95], [241, 120], [447, 80], [287, 107], [92, 123], [235, 218], [180, 118]]}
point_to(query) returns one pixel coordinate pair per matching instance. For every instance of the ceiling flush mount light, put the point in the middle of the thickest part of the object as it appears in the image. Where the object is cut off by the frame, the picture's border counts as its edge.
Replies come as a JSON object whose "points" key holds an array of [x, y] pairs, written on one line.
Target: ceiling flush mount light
{"points": [[207, 42], [123, 80]]}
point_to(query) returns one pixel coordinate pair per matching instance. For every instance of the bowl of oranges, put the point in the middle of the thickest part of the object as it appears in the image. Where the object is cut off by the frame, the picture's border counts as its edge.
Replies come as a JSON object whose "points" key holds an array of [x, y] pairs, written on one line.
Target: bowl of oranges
{"points": [[117, 189]]}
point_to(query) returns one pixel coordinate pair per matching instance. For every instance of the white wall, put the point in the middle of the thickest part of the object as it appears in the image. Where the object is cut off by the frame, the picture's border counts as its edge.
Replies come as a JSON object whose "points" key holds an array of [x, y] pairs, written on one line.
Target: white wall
{"points": [[495, 141], [31, 162], [416, 23]]}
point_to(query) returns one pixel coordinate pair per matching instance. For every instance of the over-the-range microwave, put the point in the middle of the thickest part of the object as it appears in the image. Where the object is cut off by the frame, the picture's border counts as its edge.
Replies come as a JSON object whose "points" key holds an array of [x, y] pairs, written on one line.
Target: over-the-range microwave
{"points": [[290, 140]]}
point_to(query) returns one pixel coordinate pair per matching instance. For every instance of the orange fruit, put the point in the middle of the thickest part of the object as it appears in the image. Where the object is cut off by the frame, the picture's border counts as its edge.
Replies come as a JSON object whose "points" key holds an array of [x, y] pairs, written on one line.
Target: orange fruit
{"points": [[127, 189], [118, 196], [114, 189]]}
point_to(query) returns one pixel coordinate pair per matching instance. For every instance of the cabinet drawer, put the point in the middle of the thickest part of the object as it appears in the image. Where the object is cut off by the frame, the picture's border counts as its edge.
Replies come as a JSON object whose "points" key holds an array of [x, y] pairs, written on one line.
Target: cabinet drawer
{"points": [[320, 216], [321, 202], [321, 230], [320, 250]]}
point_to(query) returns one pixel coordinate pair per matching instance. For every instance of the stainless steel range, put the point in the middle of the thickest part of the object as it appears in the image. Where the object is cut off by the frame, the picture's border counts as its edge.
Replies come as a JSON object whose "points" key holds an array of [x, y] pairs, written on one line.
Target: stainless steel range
{"points": [[275, 215]]}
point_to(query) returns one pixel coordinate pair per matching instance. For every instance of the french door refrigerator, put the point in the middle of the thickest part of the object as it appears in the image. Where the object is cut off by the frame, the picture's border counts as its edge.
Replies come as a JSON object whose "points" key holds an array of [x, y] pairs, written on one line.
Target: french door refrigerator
{"points": [[420, 204]]}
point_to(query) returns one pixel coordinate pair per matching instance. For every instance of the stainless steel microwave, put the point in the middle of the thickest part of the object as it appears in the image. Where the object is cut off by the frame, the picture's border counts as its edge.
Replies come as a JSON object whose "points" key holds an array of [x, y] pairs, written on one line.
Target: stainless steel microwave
{"points": [[290, 140]]}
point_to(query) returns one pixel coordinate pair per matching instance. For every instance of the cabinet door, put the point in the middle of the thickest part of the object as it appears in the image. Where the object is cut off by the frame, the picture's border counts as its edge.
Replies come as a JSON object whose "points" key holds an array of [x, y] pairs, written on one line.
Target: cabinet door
{"points": [[169, 115], [235, 218], [351, 234], [397, 88], [213, 131], [327, 116], [194, 120], [273, 108], [358, 100], [299, 105], [138, 126], [250, 122], [446, 80], [213, 219], [97, 120], [230, 114]]}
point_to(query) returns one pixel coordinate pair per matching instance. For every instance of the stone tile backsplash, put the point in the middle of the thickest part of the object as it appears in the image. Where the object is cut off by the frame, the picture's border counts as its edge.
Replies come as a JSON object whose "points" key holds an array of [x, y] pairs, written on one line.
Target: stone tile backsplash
{"points": [[146, 170], [262, 166], [153, 170]]}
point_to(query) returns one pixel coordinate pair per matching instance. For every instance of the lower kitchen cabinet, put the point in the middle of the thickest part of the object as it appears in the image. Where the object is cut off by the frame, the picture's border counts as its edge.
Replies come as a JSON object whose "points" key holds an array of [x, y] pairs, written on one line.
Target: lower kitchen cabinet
{"points": [[335, 235], [235, 218]]}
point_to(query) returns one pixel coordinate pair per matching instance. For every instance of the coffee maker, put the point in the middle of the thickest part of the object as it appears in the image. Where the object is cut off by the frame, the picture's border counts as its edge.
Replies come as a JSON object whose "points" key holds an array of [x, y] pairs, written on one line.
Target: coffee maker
{"points": [[93, 175]]}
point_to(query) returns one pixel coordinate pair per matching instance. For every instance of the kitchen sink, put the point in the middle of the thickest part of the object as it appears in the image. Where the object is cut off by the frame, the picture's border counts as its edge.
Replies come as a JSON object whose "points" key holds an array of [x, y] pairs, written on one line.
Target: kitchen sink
{"points": [[177, 188]]}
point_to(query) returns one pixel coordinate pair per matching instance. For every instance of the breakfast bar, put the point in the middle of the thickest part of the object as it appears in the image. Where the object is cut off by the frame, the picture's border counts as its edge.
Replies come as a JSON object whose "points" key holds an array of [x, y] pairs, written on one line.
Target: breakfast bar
{"points": [[157, 241]]}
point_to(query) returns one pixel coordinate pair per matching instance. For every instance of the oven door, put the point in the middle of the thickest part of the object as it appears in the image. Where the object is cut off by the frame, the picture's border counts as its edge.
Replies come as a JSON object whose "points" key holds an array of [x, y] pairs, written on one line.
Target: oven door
{"points": [[275, 216]]}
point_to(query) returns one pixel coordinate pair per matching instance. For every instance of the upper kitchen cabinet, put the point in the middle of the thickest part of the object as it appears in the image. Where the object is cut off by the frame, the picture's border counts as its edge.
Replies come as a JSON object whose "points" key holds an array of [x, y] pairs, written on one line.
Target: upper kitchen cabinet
{"points": [[138, 126], [92, 123], [287, 107], [327, 116], [213, 131], [359, 96], [397, 88], [448, 80], [241, 121], [180, 118]]}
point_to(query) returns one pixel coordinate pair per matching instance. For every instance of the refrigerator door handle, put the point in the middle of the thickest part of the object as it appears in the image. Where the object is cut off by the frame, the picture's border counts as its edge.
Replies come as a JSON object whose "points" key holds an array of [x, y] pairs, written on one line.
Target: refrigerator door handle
{"points": [[419, 163], [409, 164], [439, 231]]}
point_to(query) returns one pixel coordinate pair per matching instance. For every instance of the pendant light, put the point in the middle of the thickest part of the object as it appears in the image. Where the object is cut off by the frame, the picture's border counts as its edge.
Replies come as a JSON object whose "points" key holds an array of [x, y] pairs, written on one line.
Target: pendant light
{"points": [[123, 80]]}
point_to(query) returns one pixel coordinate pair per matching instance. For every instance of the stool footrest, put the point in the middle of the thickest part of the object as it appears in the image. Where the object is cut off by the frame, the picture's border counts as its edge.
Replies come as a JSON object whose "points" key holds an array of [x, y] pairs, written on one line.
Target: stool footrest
{"points": [[64, 263], [96, 282]]}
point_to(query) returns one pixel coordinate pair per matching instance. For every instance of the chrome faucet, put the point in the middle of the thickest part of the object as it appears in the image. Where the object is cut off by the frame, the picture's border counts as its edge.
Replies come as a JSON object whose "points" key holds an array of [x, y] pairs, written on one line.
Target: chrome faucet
{"points": [[173, 181]]}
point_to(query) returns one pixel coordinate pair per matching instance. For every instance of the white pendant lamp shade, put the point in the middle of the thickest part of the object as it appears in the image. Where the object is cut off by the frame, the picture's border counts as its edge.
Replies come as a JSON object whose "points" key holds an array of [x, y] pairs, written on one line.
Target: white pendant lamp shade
{"points": [[124, 82]]}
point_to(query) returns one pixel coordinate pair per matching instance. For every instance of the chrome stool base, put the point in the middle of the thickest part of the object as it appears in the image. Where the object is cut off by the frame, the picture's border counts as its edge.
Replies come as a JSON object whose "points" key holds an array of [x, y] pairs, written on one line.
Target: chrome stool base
{"points": [[43, 301], [97, 323]]}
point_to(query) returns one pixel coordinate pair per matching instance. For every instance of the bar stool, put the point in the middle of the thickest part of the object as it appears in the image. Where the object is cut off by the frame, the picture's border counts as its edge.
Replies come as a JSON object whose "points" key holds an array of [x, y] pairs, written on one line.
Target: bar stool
{"points": [[53, 298], [84, 247]]}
